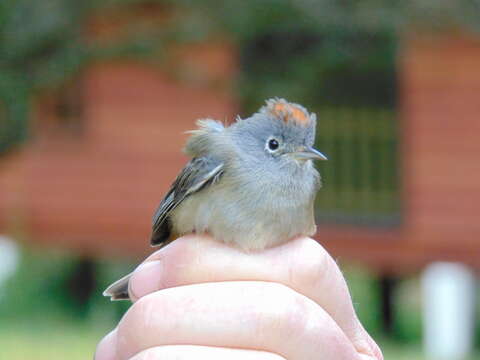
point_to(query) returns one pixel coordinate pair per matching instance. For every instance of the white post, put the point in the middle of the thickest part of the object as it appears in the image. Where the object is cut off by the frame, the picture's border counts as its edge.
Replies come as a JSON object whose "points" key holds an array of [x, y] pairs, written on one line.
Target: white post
{"points": [[9, 258], [448, 310]]}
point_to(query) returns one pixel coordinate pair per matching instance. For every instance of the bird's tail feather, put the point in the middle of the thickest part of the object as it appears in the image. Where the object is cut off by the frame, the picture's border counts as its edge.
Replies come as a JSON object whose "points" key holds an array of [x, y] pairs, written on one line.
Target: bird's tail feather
{"points": [[119, 289]]}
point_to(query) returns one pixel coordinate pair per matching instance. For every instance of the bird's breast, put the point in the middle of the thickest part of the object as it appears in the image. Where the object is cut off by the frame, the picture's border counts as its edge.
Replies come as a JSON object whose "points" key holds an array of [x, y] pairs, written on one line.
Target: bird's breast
{"points": [[253, 210]]}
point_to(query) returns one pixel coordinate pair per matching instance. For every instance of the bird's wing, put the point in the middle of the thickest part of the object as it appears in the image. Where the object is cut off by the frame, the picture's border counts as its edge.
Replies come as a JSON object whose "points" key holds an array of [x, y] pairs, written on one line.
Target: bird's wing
{"points": [[196, 175]]}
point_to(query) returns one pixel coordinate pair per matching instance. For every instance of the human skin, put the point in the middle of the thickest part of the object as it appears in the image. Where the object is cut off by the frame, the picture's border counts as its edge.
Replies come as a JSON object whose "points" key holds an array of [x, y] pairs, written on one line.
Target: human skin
{"points": [[201, 299]]}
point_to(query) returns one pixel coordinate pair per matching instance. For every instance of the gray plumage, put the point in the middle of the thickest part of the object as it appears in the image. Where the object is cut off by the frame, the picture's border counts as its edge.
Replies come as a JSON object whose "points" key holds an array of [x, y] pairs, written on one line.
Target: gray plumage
{"points": [[240, 187]]}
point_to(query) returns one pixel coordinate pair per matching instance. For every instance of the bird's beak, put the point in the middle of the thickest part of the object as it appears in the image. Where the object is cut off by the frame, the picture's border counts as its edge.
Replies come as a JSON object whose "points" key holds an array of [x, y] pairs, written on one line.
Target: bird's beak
{"points": [[308, 153]]}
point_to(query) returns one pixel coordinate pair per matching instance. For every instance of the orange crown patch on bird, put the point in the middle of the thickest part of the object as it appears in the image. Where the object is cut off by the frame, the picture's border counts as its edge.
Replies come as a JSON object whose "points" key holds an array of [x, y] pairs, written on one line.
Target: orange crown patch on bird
{"points": [[287, 111]]}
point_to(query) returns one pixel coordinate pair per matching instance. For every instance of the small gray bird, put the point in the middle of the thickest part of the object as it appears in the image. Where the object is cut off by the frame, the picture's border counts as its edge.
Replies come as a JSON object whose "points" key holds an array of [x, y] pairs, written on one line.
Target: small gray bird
{"points": [[252, 184]]}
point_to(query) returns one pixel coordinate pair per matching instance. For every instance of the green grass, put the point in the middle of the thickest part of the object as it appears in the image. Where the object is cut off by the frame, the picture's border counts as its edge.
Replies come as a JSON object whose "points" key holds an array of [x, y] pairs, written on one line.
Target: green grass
{"points": [[393, 351], [49, 341]]}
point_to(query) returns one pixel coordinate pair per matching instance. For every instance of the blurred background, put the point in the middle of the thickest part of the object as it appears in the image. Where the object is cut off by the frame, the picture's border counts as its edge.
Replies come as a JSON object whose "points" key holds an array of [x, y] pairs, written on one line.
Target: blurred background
{"points": [[95, 97]]}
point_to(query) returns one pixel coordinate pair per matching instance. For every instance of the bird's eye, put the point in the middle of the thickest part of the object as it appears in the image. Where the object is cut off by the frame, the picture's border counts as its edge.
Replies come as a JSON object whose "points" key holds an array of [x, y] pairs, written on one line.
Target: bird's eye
{"points": [[273, 144]]}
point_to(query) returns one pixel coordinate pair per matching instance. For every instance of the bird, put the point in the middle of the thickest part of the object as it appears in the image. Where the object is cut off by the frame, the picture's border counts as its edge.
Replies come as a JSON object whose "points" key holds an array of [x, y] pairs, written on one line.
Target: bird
{"points": [[251, 184]]}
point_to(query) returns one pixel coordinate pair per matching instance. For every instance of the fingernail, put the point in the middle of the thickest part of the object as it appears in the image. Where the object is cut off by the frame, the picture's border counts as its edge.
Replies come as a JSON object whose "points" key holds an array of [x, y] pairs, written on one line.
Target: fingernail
{"points": [[146, 279], [367, 345], [363, 347]]}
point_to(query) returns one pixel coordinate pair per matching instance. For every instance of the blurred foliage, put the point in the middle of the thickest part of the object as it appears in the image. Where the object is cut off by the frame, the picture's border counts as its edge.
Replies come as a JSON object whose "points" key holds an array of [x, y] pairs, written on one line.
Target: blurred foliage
{"points": [[43, 280], [43, 45], [39, 47], [365, 292], [408, 306]]}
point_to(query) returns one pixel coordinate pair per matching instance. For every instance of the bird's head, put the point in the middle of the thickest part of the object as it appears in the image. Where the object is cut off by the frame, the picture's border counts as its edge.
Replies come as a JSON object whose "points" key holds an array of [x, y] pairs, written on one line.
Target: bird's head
{"points": [[280, 131]]}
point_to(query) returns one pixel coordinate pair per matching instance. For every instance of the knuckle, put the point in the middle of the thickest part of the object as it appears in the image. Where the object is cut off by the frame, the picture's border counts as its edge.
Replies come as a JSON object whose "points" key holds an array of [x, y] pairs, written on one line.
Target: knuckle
{"points": [[312, 248], [140, 317], [298, 316], [177, 248], [149, 310], [177, 259], [182, 252], [289, 312], [312, 264]]}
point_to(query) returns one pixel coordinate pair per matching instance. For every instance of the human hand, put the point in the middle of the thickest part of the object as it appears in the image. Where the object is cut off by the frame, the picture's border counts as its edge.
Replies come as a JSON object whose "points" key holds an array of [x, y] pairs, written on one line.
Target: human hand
{"points": [[200, 299]]}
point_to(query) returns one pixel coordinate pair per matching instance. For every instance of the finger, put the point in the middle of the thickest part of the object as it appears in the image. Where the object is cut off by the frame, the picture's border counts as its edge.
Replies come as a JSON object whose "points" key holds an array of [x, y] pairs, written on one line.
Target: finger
{"points": [[189, 352], [253, 315], [377, 352], [302, 264], [107, 347]]}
